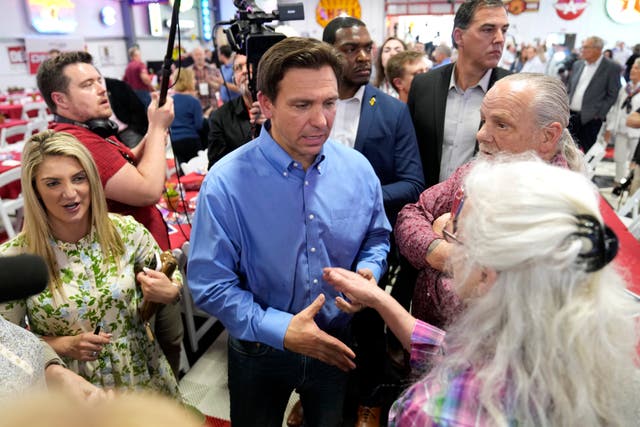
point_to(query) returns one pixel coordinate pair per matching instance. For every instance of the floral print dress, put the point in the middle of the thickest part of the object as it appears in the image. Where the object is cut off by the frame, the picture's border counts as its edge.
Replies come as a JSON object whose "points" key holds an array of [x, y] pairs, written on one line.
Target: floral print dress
{"points": [[102, 292]]}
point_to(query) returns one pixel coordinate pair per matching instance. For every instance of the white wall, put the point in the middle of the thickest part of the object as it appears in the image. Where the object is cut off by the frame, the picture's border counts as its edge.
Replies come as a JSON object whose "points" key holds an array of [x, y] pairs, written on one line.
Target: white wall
{"points": [[593, 21]]}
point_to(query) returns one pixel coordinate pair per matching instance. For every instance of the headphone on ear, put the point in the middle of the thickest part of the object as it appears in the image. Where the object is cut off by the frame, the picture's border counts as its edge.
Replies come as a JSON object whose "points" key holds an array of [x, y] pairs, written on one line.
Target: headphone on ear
{"points": [[101, 127]]}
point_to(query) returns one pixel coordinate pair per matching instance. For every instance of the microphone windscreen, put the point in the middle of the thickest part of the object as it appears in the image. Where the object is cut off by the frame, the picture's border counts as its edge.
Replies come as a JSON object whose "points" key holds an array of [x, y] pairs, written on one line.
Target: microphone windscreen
{"points": [[22, 276]]}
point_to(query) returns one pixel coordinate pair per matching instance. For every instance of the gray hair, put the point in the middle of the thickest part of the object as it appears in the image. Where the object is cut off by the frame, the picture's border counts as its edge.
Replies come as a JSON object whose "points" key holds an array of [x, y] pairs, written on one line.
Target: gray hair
{"points": [[597, 42], [543, 340], [444, 49], [550, 104]]}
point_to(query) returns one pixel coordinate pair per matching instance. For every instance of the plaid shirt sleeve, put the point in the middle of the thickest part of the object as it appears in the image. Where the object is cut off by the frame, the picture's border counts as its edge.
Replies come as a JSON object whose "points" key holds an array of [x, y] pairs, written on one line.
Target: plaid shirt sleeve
{"points": [[424, 404]]}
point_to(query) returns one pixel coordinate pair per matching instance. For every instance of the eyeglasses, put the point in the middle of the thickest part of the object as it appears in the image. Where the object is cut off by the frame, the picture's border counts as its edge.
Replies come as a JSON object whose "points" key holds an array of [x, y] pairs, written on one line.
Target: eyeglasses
{"points": [[456, 208], [587, 47]]}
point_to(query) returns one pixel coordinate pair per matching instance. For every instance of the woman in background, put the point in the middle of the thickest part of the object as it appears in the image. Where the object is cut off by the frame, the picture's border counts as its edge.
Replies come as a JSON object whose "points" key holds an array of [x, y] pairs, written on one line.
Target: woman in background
{"points": [[89, 312], [185, 137], [390, 47]]}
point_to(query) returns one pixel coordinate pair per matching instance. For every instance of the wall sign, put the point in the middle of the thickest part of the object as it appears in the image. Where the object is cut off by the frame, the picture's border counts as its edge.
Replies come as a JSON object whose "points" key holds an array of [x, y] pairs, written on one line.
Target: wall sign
{"points": [[623, 12], [16, 54], [329, 9], [52, 16], [570, 9]]}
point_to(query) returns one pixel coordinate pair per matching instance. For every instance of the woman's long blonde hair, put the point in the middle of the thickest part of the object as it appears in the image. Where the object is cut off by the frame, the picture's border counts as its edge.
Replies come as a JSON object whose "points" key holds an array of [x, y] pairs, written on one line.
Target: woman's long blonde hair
{"points": [[36, 230]]}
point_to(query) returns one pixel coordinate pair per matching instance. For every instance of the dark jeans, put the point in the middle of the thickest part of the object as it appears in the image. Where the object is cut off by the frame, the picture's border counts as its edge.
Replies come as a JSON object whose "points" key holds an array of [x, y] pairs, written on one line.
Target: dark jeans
{"points": [[584, 134], [262, 378]]}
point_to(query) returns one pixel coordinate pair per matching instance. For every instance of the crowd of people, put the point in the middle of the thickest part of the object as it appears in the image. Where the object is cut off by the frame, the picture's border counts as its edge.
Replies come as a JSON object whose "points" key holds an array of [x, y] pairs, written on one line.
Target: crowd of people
{"points": [[402, 237]]}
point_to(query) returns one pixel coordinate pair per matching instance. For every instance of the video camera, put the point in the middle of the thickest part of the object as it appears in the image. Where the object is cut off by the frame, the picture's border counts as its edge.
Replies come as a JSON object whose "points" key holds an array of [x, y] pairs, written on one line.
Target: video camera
{"points": [[248, 35]]}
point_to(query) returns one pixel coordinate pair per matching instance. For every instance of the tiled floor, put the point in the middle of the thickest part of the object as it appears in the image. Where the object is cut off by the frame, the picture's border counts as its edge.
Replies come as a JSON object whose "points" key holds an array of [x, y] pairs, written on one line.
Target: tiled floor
{"points": [[205, 384]]}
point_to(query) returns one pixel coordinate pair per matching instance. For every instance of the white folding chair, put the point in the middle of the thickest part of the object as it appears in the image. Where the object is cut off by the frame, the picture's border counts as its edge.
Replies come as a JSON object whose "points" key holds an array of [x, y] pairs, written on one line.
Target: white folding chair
{"points": [[194, 334], [629, 214], [37, 126], [593, 157], [11, 210], [10, 132], [198, 163], [34, 111]]}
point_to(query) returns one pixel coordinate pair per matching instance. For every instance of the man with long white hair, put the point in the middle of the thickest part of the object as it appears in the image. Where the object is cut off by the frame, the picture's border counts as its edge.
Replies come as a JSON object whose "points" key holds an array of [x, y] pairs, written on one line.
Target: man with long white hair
{"points": [[520, 113], [548, 335]]}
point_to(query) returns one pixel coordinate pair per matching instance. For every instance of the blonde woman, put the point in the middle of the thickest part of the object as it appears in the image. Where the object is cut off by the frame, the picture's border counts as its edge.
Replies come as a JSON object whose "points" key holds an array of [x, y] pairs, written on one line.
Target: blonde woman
{"points": [[185, 136], [89, 312]]}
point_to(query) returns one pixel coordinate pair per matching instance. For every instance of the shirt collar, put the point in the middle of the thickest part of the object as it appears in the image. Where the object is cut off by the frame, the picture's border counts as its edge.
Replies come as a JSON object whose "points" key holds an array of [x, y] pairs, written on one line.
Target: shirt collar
{"points": [[483, 83], [595, 64], [279, 158], [357, 96]]}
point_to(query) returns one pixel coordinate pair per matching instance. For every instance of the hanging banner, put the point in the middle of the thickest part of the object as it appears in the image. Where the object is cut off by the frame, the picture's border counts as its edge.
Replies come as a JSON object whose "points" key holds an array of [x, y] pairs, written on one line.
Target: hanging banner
{"points": [[329, 9], [38, 48], [516, 7], [52, 16], [570, 9], [16, 54], [623, 12]]}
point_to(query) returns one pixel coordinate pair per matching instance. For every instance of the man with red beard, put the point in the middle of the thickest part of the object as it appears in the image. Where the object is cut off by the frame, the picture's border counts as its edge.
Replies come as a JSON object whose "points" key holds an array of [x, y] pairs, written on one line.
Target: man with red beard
{"points": [[445, 103]]}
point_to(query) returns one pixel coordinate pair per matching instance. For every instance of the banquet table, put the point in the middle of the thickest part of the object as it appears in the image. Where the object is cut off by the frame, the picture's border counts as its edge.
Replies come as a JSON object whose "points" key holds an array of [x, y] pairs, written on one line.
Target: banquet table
{"points": [[10, 123], [179, 220], [628, 258], [12, 111], [10, 160]]}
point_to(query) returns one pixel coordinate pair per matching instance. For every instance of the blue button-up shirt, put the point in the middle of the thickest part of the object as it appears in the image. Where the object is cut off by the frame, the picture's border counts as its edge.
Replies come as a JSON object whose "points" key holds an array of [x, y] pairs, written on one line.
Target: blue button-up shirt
{"points": [[264, 228]]}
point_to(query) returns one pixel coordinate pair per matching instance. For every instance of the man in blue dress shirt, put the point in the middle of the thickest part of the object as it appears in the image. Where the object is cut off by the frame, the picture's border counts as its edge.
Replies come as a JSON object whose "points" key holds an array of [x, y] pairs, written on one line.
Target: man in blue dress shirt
{"points": [[271, 215]]}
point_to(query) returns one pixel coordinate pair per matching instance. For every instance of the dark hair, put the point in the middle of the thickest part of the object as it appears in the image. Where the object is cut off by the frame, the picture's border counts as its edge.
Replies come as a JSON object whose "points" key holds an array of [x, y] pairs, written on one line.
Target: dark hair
{"points": [[467, 11], [225, 50], [51, 76], [294, 52], [395, 66], [329, 33], [380, 72]]}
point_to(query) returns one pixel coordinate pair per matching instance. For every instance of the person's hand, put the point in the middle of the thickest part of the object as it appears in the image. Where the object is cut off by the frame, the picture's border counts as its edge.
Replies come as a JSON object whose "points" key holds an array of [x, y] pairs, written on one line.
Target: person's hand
{"points": [[160, 117], [157, 287], [303, 336], [255, 114], [440, 223], [86, 347], [74, 385], [360, 288], [607, 136]]}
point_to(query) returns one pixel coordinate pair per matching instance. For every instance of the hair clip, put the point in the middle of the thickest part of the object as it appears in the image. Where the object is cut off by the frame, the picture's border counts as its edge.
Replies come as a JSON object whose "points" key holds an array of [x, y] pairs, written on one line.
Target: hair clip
{"points": [[602, 244]]}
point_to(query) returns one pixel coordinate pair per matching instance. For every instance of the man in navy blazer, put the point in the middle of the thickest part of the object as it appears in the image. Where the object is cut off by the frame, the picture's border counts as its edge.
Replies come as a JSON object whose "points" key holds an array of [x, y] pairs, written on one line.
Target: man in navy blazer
{"points": [[377, 125], [380, 127], [593, 88]]}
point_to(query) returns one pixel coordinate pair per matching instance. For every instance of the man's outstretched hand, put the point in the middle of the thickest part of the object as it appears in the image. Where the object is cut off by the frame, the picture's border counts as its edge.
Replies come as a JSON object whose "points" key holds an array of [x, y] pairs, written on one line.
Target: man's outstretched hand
{"points": [[303, 336]]}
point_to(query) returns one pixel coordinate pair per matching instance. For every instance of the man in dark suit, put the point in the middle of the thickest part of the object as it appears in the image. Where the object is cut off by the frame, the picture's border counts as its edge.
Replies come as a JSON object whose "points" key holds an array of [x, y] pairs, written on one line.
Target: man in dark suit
{"points": [[379, 126], [445, 102], [593, 88]]}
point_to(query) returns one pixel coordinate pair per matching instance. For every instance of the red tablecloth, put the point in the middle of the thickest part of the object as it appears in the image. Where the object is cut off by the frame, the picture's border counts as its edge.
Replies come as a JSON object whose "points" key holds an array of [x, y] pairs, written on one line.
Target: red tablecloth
{"points": [[12, 111], [628, 257], [9, 161], [10, 123], [179, 221]]}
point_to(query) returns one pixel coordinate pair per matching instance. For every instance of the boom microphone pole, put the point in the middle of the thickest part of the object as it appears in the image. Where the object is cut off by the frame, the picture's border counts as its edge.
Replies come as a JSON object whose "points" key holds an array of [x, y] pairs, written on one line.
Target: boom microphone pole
{"points": [[166, 66]]}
